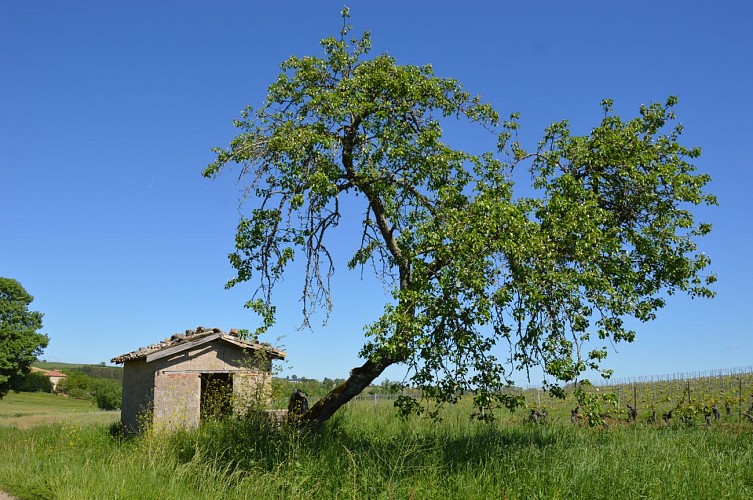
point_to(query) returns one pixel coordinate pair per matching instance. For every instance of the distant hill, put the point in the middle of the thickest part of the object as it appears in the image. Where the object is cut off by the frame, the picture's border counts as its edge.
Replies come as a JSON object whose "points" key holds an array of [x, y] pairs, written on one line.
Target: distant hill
{"points": [[114, 372]]}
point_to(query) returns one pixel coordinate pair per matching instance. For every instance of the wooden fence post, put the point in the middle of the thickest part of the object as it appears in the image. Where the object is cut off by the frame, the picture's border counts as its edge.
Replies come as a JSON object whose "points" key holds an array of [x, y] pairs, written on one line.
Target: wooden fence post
{"points": [[740, 399]]}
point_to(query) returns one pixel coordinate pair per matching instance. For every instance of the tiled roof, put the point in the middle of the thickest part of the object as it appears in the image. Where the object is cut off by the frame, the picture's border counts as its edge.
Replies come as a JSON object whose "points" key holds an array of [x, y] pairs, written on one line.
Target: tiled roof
{"points": [[194, 335], [54, 373]]}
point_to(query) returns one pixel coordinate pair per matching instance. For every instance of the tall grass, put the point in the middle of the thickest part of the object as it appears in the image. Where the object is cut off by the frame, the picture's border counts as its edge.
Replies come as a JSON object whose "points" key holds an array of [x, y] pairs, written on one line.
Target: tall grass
{"points": [[366, 452]]}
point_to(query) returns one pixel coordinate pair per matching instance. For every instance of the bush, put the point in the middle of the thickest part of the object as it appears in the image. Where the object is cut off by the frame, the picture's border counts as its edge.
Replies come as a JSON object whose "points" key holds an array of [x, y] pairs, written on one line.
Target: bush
{"points": [[108, 394], [33, 382], [75, 379], [77, 393]]}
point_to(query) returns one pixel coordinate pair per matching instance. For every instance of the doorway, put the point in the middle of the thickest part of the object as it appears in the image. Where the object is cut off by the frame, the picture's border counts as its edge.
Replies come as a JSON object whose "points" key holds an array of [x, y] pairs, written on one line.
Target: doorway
{"points": [[216, 395]]}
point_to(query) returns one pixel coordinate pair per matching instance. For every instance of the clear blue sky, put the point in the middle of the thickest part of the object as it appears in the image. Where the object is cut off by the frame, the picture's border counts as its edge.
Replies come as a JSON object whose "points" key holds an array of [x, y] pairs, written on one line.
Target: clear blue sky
{"points": [[108, 111]]}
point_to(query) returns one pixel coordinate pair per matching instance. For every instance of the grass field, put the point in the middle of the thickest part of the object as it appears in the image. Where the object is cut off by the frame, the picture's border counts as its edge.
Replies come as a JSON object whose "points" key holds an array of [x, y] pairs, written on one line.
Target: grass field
{"points": [[366, 452], [29, 409]]}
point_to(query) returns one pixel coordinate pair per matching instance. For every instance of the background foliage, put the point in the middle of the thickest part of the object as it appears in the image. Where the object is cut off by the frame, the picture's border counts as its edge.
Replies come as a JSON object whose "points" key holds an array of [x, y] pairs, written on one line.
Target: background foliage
{"points": [[20, 342]]}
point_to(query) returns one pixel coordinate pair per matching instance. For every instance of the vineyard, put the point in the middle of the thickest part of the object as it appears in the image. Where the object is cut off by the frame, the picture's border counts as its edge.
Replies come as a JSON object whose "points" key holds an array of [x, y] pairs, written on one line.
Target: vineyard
{"points": [[718, 397], [714, 397]]}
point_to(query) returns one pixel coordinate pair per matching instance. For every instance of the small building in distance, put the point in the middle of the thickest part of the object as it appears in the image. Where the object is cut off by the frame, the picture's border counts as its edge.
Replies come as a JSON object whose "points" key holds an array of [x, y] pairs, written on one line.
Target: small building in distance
{"points": [[55, 378], [172, 383]]}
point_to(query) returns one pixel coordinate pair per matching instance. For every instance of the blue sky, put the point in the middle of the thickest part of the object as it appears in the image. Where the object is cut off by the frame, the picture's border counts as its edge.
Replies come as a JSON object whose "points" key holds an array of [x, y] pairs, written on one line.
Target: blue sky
{"points": [[108, 111]]}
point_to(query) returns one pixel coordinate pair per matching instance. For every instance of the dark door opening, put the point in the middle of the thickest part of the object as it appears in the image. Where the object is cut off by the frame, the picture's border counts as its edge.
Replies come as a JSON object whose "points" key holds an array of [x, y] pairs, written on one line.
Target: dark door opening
{"points": [[216, 395]]}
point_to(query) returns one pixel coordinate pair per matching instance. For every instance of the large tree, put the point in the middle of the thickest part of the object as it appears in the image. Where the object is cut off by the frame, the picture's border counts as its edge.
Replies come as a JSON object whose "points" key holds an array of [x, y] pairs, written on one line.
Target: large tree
{"points": [[485, 280], [20, 343]]}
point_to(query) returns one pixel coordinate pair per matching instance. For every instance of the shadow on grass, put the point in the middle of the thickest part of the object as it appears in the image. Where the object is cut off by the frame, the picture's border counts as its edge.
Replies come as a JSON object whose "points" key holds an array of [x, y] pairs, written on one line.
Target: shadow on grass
{"points": [[254, 442]]}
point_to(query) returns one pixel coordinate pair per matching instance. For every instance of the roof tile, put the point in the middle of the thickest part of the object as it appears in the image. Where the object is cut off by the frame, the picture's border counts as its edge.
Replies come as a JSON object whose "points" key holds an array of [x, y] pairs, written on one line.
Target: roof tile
{"points": [[192, 335]]}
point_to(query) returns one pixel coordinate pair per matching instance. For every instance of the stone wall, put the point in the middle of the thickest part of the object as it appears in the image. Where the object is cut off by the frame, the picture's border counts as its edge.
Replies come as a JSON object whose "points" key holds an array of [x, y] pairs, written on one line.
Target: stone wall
{"points": [[167, 391], [138, 387], [177, 400]]}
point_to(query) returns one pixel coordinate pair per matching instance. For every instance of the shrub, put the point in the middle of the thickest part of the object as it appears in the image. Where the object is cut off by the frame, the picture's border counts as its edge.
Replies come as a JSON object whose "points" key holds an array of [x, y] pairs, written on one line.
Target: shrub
{"points": [[76, 379], [108, 394], [33, 382], [77, 393]]}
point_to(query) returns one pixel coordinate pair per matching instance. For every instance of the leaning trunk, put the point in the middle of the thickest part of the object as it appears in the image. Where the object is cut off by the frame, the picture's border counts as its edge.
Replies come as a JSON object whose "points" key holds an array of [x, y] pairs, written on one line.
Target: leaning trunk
{"points": [[360, 378]]}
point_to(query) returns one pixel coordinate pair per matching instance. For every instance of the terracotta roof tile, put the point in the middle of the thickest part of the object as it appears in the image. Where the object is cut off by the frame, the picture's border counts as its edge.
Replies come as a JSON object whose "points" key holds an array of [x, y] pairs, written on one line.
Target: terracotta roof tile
{"points": [[192, 335]]}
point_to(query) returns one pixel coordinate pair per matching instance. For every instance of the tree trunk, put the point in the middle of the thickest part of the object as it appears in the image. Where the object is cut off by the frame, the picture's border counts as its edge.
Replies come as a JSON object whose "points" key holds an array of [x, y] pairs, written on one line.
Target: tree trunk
{"points": [[359, 379]]}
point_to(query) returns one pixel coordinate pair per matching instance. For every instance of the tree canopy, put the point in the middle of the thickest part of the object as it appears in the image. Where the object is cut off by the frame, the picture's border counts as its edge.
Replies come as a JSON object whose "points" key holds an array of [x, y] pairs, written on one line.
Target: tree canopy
{"points": [[485, 280], [20, 343]]}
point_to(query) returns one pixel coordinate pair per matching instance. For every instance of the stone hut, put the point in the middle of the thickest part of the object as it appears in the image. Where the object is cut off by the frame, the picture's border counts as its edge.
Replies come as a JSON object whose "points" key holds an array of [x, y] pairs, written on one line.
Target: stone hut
{"points": [[172, 383]]}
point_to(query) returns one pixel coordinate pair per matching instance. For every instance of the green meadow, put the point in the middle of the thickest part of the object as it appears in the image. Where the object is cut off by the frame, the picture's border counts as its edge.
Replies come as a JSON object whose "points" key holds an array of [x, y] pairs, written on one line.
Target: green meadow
{"points": [[365, 451], [30, 409]]}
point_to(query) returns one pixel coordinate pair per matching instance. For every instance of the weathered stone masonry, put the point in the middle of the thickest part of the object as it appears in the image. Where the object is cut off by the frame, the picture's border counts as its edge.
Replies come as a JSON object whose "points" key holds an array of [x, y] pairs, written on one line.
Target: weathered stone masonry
{"points": [[162, 383]]}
